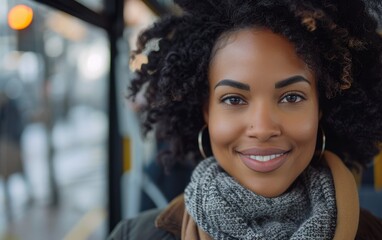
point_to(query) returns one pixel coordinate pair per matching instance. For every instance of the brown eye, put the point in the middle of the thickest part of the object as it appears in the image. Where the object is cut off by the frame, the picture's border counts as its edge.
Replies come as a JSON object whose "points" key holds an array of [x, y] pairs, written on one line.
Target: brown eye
{"points": [[233, 100], [292, 98]]}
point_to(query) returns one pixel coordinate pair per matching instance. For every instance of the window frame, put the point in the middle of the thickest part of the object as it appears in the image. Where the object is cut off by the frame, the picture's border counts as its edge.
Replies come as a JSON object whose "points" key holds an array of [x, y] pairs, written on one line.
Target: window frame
{"points": [[111, 20]]}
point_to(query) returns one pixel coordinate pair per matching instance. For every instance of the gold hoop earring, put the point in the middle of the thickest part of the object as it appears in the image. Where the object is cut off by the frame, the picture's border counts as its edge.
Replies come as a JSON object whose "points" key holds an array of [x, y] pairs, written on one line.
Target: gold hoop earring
{"points": [[200, 142], [323, 145]]}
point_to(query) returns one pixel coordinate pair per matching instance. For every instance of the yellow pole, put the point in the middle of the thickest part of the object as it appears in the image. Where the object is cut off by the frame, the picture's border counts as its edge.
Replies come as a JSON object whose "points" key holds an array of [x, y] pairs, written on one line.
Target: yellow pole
{"points": [[126, 154], [378, 172]]}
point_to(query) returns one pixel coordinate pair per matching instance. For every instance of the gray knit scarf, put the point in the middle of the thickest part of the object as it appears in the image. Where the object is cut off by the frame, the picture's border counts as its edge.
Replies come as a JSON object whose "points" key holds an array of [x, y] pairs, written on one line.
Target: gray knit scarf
{"points": [[226, 210]]}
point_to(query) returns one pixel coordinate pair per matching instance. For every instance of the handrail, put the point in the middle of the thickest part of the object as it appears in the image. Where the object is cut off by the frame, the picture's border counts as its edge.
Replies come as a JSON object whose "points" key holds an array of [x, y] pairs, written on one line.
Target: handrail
{"points": [[79, 11]]}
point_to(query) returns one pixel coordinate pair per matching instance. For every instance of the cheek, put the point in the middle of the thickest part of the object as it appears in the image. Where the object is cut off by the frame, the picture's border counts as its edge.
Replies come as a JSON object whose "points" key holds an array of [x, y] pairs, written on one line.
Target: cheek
{"points": [[222, 131], [304, 132]]}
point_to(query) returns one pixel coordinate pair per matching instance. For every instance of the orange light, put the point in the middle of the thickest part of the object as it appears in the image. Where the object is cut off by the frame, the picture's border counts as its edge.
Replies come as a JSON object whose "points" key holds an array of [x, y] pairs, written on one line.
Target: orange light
{"points": [[20, 17]]}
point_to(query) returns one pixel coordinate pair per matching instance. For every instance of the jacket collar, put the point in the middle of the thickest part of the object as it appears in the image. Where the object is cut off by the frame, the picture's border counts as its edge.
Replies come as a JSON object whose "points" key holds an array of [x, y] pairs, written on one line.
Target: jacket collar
{"points": [[171, 218]]}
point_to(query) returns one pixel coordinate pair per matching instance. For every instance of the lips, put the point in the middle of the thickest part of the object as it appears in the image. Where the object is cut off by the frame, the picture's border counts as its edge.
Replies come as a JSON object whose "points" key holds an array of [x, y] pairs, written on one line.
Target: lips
{"points": [[264, 160]]}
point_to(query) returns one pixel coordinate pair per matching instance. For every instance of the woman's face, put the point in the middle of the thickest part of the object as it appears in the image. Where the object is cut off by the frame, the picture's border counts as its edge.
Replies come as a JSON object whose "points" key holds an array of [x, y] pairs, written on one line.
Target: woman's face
{"points": [[262, 113]]}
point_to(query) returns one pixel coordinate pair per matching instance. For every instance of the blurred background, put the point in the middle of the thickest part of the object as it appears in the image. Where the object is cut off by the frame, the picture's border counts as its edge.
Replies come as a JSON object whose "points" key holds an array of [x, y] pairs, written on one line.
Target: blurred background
{"points": [[72, 158]]}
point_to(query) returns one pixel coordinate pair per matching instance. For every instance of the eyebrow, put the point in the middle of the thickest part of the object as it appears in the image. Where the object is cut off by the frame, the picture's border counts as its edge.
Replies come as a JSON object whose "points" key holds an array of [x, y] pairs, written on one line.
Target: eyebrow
{"points": [[291, 80], [232, 83]]}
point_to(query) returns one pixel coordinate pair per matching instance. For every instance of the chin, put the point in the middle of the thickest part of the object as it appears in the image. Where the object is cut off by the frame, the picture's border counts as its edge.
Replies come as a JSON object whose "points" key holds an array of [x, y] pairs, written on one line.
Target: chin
{"points": [[268, 192]]}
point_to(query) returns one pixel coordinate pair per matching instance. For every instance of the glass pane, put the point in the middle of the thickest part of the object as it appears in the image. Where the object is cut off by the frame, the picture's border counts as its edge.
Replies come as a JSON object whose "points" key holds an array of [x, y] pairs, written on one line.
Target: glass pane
{"points": [[145, 184], [53, 125], [143, 150]]}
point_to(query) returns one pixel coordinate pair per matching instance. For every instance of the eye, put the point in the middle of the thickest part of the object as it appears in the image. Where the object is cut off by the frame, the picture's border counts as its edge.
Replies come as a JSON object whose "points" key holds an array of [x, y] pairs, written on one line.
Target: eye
{"points": [[292, 98], [233, 100]]}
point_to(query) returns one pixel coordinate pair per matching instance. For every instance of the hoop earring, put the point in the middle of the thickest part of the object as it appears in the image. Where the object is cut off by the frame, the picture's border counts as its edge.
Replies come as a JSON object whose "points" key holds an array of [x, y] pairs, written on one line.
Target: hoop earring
{"points": [[323, 145], [200, 141]]}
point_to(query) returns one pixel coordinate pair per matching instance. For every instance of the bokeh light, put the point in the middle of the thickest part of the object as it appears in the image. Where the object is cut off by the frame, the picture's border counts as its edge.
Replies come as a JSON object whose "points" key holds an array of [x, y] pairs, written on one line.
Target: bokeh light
{"points": [[20, 17]]}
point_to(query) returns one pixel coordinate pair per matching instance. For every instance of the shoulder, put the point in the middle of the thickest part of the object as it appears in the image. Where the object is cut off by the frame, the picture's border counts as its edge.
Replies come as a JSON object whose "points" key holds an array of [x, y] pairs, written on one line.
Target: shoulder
{"points": [[370, 227], [141, 227]]}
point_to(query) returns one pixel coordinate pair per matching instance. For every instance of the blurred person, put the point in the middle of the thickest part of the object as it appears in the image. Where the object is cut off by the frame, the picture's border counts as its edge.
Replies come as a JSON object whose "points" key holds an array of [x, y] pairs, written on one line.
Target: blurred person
{"points": [[11, 127]]}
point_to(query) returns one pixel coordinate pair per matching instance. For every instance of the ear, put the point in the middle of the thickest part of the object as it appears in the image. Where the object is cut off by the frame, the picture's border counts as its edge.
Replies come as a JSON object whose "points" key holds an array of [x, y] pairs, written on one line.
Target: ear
{"points": [[319, 115]]}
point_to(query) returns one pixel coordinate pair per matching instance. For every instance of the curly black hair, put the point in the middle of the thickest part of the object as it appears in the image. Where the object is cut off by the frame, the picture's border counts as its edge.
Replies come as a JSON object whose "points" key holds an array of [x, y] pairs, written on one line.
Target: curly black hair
{"points": [[338, 40]]}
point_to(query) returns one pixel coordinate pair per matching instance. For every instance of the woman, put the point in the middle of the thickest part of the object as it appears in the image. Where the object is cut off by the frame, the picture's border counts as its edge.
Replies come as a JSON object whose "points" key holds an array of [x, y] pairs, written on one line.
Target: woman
{"points": [[272, 84]]}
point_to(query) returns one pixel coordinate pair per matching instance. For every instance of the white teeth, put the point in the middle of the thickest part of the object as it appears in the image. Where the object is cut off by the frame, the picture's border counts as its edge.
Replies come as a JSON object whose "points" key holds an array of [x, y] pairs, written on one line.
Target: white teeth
{"points": [[265, 158]]}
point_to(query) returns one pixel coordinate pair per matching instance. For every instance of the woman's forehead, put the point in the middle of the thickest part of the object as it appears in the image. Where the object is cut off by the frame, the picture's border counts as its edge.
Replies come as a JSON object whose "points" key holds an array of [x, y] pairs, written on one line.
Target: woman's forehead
{"points": [[257, 50]]}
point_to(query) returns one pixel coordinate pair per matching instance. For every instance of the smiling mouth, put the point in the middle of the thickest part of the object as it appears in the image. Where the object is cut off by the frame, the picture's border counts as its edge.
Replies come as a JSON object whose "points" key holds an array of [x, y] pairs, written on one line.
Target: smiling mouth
{"points": [[265, 158], [264, 161]]}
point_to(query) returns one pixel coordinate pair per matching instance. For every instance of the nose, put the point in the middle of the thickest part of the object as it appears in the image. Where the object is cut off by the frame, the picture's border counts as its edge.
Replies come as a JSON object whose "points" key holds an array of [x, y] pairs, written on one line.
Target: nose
{"points": [[264, 122]]}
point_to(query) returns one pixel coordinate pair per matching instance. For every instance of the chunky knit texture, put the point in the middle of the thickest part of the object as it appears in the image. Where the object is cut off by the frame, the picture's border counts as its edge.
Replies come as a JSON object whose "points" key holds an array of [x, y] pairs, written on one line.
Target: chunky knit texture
{"points": [[226, 210]]}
